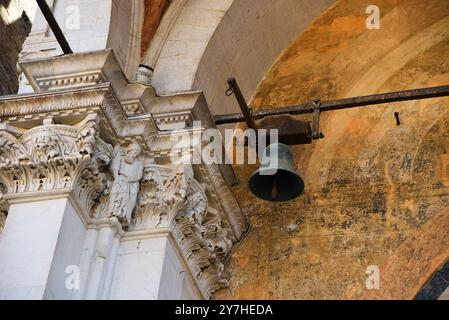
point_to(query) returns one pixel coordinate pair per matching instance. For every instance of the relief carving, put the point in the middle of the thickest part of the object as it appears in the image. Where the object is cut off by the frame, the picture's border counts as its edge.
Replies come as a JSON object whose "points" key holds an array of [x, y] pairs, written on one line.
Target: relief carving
{"points": [[173, 199], [105, 182], [46, 145], [127, 170], [55, 157], [161, 198]]}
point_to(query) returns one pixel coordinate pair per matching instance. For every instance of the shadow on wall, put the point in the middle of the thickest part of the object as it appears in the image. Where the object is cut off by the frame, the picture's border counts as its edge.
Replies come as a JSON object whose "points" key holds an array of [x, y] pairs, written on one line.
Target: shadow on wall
{"points": [[12, 36]]}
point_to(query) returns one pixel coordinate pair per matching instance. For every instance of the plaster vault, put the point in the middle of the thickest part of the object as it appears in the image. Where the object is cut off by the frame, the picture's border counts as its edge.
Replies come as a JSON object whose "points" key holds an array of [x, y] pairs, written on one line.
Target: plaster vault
{"points": [[87, 153]]}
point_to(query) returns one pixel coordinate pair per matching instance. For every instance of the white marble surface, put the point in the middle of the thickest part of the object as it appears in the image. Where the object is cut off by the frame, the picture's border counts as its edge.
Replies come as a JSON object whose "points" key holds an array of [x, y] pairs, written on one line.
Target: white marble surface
{"points": [[150, 269], [38, 237], [88, 26], [67, 253]]}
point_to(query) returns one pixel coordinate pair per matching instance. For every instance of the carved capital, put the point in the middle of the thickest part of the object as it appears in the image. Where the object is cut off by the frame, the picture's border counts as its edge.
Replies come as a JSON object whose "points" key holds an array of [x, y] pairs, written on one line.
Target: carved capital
{"points": [[55, 157], [39, 158], [174, 199]]}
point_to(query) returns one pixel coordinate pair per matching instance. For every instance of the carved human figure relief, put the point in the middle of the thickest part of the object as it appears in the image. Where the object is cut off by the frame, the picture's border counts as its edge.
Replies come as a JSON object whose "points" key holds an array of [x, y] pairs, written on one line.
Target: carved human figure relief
{"points": [[86, 140], [127, 170], [46, 145], [196, 207]]}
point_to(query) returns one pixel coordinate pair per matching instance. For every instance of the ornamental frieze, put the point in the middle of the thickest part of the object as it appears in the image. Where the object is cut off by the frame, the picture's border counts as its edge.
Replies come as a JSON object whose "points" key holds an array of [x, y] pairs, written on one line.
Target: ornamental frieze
{"points": [[54, 157]]}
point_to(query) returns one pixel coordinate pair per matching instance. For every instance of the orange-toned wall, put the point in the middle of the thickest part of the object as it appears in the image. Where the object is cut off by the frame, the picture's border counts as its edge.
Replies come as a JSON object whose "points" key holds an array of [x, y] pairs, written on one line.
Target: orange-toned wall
{"points": [[154, 10], [376, 193]]}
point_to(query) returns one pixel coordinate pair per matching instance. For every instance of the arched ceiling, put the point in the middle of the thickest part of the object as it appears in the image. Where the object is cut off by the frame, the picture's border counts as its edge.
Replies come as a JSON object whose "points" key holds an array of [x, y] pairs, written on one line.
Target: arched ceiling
{"points": [[201, 43], [247, 41], [338, 57], [376, 193]]}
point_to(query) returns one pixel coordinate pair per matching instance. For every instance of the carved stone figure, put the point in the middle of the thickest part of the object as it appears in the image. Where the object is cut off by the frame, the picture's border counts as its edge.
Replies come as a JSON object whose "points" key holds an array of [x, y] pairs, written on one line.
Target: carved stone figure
{"points": [[86, 140], [196, 207], [127, 169], [46, 145]]}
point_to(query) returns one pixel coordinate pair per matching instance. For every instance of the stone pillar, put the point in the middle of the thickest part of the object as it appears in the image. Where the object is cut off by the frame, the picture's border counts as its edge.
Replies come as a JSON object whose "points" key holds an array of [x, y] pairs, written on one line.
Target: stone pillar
{"points": [[149, 267], [177, 244], [110, 214], [103, 260], [51, 175], [41, 239]]}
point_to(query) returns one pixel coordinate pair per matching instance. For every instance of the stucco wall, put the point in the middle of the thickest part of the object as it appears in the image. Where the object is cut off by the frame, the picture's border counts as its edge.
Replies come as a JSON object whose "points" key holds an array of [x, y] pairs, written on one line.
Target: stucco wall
{"points": [[376, 193]]}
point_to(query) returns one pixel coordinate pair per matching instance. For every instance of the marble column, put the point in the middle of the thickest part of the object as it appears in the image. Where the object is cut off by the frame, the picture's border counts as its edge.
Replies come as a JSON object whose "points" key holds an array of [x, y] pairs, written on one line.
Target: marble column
{"points": [[41, 240], [52, 176], [150, 267]]}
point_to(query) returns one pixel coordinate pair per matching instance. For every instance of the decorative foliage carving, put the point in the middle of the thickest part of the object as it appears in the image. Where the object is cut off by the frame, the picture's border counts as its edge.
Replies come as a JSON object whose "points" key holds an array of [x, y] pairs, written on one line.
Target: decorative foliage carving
{"points": [[225, 199], [172, 199], [162, 195], [74, 158], [54, 157]]}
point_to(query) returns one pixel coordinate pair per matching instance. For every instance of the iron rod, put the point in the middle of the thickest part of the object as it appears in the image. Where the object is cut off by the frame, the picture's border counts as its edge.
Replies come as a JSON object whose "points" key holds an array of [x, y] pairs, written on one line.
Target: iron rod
{"points": [[247, 116], [54, 26], [361, 101]]}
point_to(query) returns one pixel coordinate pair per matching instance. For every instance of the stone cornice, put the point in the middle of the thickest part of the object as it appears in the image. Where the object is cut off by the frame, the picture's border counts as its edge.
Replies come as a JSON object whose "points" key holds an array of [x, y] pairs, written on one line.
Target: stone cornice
{"points": [[70, 105]]}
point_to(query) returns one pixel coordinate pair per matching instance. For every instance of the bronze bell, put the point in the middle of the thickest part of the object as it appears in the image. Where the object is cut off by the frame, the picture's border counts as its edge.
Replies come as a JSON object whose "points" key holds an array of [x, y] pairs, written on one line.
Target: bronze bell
{"points": [[276, 179]]}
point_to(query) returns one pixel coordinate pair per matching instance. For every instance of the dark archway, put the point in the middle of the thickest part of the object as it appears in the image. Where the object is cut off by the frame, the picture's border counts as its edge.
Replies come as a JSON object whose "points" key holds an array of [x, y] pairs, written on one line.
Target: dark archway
{"points": [[437, 284]]}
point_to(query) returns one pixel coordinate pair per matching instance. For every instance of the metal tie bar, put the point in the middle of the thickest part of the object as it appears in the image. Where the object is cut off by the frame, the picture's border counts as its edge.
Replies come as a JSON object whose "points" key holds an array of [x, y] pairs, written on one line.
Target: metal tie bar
{"points": [[54, 26], [310, 107]]}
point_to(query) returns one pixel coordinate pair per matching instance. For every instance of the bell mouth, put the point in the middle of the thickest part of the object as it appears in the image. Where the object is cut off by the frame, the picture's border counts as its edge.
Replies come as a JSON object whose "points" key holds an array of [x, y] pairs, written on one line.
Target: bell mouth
{"points": [[282, 186]]}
